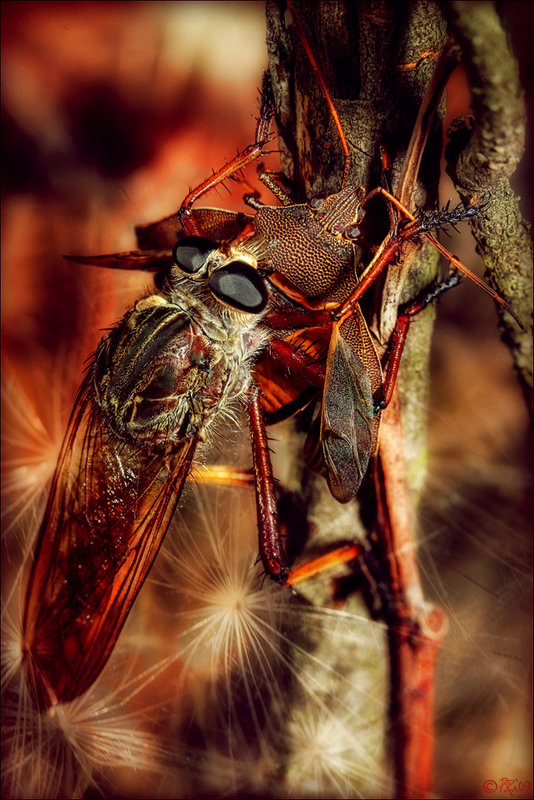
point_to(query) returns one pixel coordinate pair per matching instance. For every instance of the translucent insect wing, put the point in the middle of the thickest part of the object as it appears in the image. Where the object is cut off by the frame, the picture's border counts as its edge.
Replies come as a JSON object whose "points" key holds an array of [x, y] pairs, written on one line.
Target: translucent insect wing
{"points": [[348, 430], [109, 508]]}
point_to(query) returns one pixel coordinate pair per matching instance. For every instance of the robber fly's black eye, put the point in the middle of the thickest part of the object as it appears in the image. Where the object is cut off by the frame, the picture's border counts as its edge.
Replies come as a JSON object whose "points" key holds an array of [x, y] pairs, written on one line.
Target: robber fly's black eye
{"points": [[239, 285], [191, 253]]}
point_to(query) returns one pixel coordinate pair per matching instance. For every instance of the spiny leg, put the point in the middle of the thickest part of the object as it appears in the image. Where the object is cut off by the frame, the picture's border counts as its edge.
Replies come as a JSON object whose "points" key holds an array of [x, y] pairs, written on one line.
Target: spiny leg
{"points": [[411, 232], [398, 338], [251, 153]]}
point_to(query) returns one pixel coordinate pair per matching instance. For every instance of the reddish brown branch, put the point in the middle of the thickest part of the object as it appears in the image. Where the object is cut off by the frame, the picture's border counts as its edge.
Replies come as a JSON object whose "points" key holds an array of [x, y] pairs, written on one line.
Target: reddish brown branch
{"points": [[416, 628]]}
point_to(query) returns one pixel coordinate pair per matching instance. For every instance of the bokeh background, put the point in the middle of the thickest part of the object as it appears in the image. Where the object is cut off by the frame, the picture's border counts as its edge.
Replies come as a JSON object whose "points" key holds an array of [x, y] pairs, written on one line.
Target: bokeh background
{"points": [[110, 112]]}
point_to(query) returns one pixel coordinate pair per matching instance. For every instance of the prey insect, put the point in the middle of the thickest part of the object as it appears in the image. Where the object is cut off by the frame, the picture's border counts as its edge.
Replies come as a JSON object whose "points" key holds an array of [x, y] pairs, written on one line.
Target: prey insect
{"points": [[214, 334]]}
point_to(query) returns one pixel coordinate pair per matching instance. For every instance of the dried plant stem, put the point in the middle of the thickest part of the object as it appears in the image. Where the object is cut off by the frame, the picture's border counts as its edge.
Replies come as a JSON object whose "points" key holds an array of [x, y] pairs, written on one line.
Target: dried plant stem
{"points": [[481, 159]]}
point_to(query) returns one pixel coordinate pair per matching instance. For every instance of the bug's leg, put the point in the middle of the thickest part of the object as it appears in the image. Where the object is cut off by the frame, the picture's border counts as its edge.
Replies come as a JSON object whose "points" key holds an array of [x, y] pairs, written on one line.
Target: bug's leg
{"points": [[413, 230], [270, 544], [355, 551], [398, 337], [446, 63], [246, 156]]}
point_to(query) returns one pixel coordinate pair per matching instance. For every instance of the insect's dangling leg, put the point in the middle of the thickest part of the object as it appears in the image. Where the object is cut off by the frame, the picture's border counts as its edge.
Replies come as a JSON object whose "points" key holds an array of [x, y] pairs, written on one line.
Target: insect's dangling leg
{"points": [[242, 159], [219, 474], [398, 337], [342, 555], [270, 544]]}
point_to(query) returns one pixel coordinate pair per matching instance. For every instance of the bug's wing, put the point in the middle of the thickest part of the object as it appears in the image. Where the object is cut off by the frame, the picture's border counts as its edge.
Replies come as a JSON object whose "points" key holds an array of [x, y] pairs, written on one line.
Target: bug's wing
{"points": [[347, 424], [216, 224], [109, 507]]}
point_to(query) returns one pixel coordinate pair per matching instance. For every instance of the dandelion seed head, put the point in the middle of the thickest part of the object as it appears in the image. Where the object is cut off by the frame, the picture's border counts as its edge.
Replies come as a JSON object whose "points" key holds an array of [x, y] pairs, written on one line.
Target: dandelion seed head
{"points": [[61, 751], [30, 450], [329, 759]]}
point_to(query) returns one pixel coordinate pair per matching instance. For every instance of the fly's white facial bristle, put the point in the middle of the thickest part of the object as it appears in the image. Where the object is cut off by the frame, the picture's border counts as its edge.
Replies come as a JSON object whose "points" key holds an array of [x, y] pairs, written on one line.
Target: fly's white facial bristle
{"points": [[257, 249]]}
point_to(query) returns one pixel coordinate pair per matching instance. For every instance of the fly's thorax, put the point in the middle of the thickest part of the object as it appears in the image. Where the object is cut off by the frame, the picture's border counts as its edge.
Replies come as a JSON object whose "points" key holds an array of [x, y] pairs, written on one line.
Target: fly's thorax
{"points": [[170, 367]]}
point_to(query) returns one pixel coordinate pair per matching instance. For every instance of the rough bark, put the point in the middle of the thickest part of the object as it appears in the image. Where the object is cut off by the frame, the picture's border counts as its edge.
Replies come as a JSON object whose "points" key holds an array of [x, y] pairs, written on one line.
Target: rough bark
{"points": [[482, 158]]}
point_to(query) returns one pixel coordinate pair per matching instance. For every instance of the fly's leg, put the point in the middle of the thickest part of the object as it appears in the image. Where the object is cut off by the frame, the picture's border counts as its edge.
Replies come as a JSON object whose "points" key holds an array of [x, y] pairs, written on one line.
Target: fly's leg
{"points": [[220, 475], [270, 544]]}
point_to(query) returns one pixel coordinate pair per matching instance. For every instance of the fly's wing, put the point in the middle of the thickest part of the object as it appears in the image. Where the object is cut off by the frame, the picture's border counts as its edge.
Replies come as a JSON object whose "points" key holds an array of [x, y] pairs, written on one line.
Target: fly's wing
{"points": [[146, 260], [109, 508], [348, 430]]}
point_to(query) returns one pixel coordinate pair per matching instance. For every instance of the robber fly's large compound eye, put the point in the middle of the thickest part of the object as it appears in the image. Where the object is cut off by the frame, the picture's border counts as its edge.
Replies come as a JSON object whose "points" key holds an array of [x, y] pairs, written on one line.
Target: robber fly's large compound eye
{"points": [[191, 253], [238, 285]]}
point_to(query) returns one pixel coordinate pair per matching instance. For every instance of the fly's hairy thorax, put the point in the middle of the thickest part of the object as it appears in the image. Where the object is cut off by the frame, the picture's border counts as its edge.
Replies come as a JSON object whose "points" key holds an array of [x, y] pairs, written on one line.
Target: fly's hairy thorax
{"points": [[173, 365]]}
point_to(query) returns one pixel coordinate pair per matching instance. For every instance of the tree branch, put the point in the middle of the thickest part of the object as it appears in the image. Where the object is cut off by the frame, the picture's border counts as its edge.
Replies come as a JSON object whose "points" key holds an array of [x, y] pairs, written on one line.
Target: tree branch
{"points": [[481, 161]]}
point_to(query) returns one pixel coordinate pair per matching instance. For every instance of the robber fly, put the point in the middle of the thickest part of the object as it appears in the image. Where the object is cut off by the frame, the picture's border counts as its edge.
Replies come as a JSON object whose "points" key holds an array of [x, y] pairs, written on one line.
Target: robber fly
{"points": [[176, 363]]}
